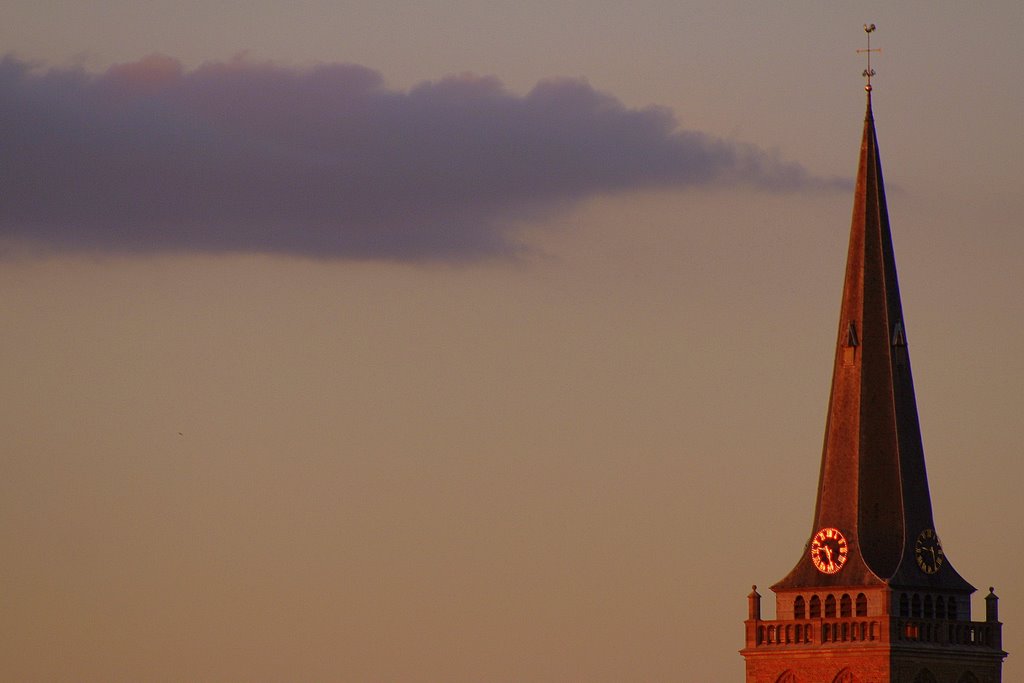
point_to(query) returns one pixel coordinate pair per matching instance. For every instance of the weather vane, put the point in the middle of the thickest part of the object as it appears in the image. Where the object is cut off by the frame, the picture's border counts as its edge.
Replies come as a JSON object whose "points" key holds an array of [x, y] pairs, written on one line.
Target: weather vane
{"points": [[869, 72]]}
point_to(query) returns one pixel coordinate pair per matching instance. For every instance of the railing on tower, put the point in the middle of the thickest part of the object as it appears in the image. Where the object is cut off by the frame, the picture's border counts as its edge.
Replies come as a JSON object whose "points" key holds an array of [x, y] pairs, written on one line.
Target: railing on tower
{"points": [[782, 633]]}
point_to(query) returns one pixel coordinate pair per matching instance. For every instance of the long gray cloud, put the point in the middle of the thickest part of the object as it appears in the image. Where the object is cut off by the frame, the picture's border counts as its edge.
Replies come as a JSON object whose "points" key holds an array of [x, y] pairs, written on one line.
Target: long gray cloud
{"points": [[325, 161]]}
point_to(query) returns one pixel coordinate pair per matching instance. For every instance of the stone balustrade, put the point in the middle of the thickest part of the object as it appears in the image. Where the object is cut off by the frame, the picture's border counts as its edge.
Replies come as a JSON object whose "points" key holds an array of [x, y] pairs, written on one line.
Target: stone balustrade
{"points": [[831, 631]]}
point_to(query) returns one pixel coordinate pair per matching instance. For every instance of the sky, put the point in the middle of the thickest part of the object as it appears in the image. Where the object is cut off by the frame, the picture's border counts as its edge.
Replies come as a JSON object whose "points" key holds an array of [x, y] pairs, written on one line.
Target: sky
{"points": [[457, 341]]}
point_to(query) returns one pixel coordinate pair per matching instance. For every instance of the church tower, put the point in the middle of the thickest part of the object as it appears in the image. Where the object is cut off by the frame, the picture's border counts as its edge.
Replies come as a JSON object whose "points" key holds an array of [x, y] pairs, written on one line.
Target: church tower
{"points": [[874, 597]]}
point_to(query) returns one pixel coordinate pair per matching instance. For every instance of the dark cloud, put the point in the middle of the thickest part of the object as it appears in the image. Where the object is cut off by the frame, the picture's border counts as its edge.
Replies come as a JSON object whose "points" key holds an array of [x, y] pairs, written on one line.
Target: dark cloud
{"points": [[324, 161]]}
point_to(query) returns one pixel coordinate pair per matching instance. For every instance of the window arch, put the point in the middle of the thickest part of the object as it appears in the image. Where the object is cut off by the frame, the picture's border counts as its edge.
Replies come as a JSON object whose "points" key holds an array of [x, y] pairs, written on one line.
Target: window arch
{"points": [[799, 608], [862, 605], [830, 607], [915, 605], [924, 676], [968, 677], [845, 676], [845, 606], [951, 609], [787, 677], [940, 608], [815, 607], [929, 611], [904, 605]]}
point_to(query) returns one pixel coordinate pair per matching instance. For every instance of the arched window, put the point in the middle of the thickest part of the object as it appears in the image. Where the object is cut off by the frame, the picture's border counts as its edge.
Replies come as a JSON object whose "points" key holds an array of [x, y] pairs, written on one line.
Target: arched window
{"points": [[830, 607], [799, 610], [815, 607], [925, 676], [929, 611], [915, 605], [951, 609], [787, 677], [940, 608], [862, 605], [968, 677], [904, 605], [845, 676], [845, 606]]}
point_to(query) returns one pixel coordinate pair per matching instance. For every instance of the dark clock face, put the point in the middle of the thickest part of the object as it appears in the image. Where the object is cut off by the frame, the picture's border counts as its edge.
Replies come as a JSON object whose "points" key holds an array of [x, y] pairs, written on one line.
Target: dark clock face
{"points": [[829, 550], [928, 552]]}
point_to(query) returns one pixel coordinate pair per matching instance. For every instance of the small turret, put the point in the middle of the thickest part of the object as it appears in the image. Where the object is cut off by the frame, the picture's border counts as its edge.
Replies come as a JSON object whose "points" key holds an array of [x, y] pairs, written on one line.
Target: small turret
{"points": [[991, 605], [754, 605]]}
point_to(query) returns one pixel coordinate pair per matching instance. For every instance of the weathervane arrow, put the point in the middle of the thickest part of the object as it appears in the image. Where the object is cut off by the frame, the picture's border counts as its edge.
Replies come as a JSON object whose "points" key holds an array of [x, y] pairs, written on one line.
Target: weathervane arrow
{"points": [[869, 72]]}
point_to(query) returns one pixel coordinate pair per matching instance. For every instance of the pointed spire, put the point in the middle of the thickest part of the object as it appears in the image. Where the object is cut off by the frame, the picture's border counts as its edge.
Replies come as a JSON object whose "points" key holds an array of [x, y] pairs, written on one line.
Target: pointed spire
{"points": [[873, 486]]}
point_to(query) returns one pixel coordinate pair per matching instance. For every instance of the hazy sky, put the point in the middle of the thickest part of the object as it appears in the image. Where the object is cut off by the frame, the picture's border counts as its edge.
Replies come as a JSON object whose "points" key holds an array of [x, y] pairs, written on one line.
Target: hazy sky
{"points": [[460, 341]]}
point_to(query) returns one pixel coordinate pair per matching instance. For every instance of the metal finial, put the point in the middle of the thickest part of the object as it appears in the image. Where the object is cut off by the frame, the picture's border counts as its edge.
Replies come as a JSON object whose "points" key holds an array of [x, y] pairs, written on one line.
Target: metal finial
{"points": [[869, 72]]}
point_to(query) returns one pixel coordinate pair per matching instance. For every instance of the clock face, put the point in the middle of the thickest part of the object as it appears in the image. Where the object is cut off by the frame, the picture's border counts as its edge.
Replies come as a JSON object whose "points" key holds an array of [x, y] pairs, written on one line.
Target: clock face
{"points": [[829, 550], [928, 552]]}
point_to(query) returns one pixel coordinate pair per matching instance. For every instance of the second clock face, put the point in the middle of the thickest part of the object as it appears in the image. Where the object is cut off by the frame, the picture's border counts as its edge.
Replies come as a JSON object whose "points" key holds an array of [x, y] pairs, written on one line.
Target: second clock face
{"points": [[928, 552], [829, 550]]}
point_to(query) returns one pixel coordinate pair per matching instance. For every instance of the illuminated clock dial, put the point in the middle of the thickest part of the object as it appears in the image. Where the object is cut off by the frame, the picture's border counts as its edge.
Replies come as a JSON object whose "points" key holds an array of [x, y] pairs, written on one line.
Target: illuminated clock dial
{"points": [[928, 552], [829, 550]]}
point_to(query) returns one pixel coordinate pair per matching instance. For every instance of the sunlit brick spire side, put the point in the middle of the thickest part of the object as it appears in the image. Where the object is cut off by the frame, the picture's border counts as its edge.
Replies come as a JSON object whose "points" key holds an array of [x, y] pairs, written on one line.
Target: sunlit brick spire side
{"points": [[873, 486]]}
